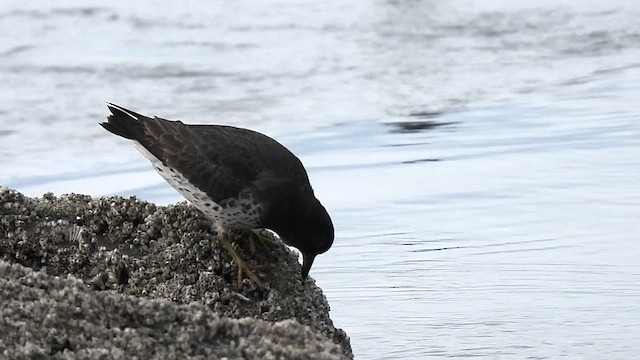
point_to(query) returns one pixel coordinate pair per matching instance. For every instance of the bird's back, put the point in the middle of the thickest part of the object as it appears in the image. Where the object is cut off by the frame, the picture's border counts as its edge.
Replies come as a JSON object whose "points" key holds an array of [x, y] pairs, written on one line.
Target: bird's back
{"points": [[222, 160]]}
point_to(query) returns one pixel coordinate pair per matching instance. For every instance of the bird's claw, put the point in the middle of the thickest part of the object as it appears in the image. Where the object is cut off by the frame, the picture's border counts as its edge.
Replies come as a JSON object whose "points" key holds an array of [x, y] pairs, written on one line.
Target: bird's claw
{"points": [[243, 269], [257, 238]]}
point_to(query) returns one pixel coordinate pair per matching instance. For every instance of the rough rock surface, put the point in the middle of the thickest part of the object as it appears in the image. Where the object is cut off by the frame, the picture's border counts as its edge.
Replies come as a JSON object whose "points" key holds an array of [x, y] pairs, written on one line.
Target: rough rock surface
{"points": [[119, 278]]}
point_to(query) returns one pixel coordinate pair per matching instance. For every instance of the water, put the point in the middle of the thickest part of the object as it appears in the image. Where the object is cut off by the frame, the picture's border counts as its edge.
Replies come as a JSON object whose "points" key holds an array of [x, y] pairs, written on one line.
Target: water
{"points": [[480, 159]]}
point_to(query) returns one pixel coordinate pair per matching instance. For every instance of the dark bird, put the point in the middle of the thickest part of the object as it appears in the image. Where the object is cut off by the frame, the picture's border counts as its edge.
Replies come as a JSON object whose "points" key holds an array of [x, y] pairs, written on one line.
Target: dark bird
{"points": [[239, 178]]}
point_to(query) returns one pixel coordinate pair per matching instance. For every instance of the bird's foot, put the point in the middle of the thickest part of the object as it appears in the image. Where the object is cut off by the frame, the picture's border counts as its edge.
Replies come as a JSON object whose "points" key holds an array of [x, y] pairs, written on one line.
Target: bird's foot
{"points": [[243, 269], [259, 238]]}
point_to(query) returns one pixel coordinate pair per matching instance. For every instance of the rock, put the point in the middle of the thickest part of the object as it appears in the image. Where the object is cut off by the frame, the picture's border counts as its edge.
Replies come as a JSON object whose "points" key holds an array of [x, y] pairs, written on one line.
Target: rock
{"points": [[117, 278]]}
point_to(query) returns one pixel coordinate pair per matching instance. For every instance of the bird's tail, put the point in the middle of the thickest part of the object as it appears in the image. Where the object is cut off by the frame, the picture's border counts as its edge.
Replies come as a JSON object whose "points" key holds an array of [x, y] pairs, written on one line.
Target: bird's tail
{"points": [[124, 122]]}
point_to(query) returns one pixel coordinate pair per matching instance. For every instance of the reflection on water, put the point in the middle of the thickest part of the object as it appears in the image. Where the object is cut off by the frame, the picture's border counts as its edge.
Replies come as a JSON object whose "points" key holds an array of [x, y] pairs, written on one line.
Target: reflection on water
{"points": [[480, 160], [418, 122]]}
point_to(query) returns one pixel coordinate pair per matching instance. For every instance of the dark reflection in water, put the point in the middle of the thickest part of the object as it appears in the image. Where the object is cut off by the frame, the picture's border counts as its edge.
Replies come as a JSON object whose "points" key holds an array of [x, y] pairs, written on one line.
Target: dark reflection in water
{"points": [[419, 161], [418, 122]]}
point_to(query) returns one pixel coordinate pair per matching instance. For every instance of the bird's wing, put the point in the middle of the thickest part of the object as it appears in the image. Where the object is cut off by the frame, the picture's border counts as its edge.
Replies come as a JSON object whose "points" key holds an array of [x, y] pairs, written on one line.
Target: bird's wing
{"points": [[221, 160], [187, 152]]}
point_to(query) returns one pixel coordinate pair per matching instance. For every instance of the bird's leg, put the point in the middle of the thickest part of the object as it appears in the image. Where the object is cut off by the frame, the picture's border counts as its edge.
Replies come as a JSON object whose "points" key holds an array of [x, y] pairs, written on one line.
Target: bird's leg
{"points": [[257, 237], [242, 267]]}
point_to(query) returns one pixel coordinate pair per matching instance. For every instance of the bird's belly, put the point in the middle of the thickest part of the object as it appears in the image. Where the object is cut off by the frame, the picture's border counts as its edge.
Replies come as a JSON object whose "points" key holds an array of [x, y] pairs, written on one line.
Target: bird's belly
{"points": [[235, 214]]}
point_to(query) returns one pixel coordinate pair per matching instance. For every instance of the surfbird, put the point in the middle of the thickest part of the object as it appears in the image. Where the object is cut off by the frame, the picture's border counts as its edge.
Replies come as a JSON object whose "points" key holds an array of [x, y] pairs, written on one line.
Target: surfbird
{"points": [[239, 178]]}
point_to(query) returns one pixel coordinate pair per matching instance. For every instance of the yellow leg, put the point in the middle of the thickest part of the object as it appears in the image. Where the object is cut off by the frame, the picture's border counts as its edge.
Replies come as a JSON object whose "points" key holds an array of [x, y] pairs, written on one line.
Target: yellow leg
{"points": [[241, 265], [256, 237]]}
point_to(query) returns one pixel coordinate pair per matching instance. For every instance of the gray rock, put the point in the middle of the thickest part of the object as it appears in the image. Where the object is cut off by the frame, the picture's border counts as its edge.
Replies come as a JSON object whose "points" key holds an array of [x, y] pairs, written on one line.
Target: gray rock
{"points": [[123, 278]]}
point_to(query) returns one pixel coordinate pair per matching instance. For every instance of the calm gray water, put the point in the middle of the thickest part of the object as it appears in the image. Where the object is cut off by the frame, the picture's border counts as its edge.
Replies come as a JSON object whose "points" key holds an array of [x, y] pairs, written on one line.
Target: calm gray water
{"points": [[480, 159]]}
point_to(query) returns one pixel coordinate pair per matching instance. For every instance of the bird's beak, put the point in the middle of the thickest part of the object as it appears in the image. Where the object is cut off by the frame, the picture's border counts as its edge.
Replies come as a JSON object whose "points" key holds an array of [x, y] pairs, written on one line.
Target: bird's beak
{"points": [[307, 261]]}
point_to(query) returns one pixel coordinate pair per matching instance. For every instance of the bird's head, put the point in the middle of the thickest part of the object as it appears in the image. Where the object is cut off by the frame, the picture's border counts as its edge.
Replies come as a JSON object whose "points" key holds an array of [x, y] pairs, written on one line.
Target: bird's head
{"points": [[311, 232]]}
